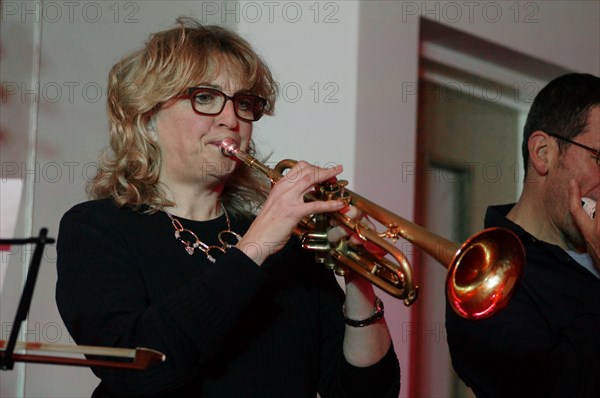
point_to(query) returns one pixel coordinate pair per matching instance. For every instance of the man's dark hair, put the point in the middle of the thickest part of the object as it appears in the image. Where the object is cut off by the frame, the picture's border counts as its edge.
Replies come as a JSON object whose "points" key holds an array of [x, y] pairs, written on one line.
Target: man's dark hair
{"points": [[562, 108]]}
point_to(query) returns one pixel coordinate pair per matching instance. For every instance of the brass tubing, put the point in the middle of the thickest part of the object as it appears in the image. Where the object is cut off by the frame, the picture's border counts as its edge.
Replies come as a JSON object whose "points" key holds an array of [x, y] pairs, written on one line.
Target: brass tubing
{"points": [[483, 273]]}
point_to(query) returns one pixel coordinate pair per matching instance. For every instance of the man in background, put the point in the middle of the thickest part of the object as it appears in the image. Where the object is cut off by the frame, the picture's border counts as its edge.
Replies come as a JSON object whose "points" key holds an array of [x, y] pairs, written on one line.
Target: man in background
{"points": [[546, 342]]}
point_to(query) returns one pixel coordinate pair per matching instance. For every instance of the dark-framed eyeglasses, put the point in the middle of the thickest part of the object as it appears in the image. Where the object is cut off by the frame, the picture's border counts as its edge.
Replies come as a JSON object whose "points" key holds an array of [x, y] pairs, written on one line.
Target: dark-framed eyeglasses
{"points": [[587, 148], [210, 101]]}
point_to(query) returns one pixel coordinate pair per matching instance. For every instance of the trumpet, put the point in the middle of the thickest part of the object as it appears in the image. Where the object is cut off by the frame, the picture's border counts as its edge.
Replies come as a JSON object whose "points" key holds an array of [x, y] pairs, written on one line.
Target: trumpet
{"points": [[483, 272]]}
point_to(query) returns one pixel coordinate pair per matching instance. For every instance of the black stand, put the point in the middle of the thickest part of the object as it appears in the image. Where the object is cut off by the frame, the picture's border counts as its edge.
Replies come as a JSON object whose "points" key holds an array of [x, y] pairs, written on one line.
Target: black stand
{"points": [[6, 356], [139, 358]]}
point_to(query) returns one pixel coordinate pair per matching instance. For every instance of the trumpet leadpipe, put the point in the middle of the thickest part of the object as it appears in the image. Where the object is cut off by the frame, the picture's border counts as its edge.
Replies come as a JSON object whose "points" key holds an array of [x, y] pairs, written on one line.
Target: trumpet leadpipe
{"points": [[229, 148]]}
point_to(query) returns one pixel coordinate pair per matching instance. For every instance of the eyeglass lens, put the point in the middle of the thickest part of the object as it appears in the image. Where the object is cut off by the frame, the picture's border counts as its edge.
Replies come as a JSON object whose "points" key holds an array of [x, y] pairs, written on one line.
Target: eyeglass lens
{"points": [[211, 102]]}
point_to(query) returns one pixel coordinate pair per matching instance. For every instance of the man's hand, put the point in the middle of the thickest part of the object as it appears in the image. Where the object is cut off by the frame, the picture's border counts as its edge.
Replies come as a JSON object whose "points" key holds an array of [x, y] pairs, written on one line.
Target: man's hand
{"points": [[589, 228]]}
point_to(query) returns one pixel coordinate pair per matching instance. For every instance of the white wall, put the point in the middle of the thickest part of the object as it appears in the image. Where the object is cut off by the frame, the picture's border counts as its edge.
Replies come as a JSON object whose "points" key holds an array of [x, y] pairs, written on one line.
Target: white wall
{"points": [[364, 55]]}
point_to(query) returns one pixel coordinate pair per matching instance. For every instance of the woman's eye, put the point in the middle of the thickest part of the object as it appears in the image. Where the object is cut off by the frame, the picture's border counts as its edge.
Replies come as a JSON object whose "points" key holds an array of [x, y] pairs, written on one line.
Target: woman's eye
{"points": [[204, 98], [245, 104]]}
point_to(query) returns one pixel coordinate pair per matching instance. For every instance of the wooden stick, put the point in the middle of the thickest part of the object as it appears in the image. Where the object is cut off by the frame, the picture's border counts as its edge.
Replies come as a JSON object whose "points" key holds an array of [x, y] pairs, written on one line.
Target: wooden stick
{"points": [[142, 357]]}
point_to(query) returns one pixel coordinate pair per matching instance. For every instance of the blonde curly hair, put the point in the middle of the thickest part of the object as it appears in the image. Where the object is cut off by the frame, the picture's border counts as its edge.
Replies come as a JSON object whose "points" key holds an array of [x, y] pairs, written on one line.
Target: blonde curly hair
{"points": [[138, 85]]}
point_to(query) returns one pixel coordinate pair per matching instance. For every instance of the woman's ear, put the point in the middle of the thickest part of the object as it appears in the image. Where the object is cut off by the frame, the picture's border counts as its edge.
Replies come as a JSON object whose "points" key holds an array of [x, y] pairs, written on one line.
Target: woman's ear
{"points": [[539, 152]]}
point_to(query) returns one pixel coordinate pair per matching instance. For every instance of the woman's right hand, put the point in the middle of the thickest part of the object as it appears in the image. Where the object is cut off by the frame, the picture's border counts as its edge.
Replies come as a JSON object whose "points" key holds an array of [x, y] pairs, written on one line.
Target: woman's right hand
{"points": [[284, 209]]}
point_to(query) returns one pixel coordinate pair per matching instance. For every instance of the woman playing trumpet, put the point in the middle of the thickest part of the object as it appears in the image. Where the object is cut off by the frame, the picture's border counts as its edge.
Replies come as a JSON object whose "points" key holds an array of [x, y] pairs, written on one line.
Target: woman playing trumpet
{"points": [[170, 256]]}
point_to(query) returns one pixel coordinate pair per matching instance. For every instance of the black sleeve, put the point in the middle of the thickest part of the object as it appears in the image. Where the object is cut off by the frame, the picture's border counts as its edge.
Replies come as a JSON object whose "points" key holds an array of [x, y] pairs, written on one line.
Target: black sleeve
{"points": [[379, 380], [519, 353], [581, 349], [339, 378], [102, 297]]}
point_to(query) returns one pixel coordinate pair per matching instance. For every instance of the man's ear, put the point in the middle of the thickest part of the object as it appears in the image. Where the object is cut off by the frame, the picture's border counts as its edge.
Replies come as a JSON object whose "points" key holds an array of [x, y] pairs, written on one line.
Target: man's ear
{"points": [[539, 152]]}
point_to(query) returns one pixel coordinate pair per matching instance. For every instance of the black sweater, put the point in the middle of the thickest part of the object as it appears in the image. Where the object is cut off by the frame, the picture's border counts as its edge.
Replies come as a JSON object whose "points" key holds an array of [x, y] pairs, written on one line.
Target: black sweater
{"points": [[546, 342], [229, 329]]}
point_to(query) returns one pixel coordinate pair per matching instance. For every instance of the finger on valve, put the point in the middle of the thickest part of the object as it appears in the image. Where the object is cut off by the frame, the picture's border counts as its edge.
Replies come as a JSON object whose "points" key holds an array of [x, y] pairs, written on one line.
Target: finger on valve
{"points": [[339, 232]]}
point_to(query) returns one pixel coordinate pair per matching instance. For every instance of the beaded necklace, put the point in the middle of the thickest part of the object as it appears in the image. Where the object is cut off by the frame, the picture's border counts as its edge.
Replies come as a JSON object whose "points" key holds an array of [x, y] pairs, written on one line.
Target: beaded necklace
{"points": [[190, 247]]}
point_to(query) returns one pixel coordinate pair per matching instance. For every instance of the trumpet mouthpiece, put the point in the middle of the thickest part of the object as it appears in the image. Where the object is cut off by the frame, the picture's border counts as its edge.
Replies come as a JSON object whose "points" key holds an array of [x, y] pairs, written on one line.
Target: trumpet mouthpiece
{"points": [[228, 147]]}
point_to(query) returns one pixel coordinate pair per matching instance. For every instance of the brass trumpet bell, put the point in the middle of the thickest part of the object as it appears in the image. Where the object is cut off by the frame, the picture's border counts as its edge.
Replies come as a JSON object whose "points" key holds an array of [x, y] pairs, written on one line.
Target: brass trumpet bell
{"points": [[484, 273]]}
